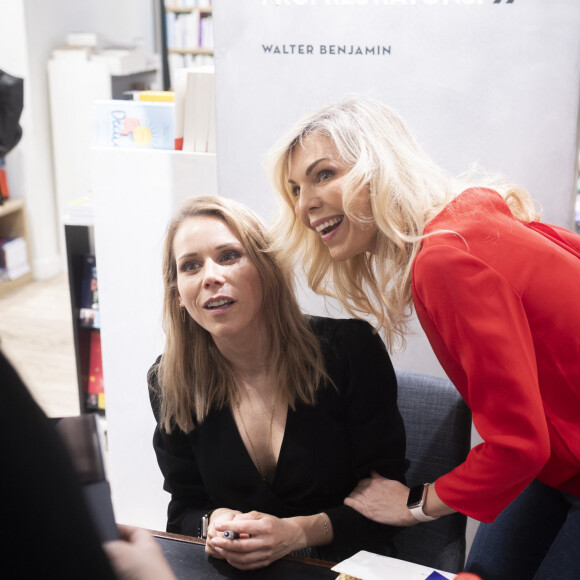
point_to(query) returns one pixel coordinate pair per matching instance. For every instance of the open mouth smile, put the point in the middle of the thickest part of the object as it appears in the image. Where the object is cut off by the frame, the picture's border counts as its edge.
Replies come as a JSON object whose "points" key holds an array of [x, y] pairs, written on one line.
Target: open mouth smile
{"points": [[213, 304], [329, 225]]}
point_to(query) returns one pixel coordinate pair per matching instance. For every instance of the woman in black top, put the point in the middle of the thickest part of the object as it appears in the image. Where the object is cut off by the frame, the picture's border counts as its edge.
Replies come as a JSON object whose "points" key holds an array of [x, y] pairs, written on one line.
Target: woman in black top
{"points": [[266, 419]]}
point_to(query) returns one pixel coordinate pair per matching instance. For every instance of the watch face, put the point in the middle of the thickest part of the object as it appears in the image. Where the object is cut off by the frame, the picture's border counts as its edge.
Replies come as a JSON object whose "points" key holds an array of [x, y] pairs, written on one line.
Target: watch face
{"points": [[415, 498]]}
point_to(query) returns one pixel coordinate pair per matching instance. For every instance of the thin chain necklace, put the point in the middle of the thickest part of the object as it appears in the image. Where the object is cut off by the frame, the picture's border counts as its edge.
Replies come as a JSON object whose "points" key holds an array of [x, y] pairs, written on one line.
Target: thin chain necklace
{"points": [[262, 472]]}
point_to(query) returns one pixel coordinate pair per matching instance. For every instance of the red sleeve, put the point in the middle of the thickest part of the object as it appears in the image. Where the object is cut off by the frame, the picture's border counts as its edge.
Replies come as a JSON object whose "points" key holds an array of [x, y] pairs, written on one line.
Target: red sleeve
{"points": [[477, 326]]}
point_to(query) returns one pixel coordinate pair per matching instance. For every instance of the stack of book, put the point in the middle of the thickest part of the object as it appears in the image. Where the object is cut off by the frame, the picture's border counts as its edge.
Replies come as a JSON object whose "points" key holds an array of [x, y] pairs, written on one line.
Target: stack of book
{"points": [[183, 119], [195, 109], [13, 258]]}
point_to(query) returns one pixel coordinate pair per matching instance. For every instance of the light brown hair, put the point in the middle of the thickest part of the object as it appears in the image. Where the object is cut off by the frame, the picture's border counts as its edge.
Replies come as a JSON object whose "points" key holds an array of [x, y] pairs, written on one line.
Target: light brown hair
{"points": [[194, 377]]}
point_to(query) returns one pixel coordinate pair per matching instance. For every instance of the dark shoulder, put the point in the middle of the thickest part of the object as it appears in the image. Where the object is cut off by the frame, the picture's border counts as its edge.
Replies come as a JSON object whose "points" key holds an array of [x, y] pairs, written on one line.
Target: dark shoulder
{"points": [[154, 389], [347, 332], [153, 375]]}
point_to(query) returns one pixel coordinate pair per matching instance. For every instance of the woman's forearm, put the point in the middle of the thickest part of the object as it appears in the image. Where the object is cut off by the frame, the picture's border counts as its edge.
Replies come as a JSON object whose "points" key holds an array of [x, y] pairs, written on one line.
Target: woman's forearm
{"points": [[315, 530], [434, 506]]}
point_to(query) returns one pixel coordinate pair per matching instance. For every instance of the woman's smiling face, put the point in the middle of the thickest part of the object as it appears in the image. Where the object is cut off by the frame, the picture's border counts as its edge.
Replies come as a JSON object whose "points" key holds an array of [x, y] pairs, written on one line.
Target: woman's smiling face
{"points": [[316, 177]]}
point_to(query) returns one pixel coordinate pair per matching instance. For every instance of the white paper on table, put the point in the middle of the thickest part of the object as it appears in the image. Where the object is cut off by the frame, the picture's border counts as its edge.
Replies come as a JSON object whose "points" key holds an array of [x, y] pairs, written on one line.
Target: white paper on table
{"points": [[370, 566]]}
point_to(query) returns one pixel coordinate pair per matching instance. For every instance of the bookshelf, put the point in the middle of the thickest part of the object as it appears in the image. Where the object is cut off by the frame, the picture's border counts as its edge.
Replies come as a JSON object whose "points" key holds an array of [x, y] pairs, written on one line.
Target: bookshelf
{"points": [[186, 37], [80, 248], [13, 225]]}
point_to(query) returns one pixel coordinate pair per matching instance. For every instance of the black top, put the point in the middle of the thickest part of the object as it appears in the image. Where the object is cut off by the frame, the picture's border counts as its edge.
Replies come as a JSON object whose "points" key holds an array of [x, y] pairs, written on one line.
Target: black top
{"points": [[326, 450], [47, 531]]}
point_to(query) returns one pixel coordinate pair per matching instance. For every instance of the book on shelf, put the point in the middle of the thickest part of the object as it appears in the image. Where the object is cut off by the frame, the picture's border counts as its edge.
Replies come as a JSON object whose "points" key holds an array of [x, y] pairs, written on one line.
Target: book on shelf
{"points": [[183, 30], [89, 308], [13, 258], [133, 124], [159, 96], [4, 191], [206, 32], [80, 211], [189, 35], [95, 398], [188, 29], [195, 109]]}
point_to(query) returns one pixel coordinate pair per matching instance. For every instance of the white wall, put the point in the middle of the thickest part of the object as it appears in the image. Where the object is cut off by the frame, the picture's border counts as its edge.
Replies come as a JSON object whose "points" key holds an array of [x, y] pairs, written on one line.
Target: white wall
{"points": [[478, 81], [29, 164], [29, 31]]}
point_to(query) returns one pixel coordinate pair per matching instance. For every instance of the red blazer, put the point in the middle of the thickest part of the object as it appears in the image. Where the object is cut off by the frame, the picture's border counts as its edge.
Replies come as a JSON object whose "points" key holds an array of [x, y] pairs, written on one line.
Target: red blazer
{"points": [[499, 301]]}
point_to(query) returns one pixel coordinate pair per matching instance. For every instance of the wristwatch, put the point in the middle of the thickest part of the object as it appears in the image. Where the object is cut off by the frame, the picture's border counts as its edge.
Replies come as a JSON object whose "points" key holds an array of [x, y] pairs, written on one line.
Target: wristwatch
{"points": [[204, 525], [416, 501]]}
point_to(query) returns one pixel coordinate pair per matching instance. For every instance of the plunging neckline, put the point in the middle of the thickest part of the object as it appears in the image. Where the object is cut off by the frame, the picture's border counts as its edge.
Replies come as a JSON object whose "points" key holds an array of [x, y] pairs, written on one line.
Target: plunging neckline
{"points": [[248, 453]]}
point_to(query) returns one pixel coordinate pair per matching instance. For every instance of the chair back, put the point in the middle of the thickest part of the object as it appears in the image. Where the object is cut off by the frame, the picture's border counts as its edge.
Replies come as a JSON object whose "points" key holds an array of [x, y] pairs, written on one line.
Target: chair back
{"points": [[438, 426]]}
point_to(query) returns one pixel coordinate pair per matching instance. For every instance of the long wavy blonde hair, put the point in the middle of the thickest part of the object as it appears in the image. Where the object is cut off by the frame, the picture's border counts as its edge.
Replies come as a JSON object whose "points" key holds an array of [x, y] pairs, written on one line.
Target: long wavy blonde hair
{"points": [[407, 189], [193, 375]]}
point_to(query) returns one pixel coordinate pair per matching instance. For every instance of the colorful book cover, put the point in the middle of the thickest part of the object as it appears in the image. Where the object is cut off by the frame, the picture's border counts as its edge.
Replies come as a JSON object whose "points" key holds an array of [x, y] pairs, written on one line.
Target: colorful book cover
{"points": [[156, 96], [95, 386], [133, 124], [4, 191], [89, 308]]}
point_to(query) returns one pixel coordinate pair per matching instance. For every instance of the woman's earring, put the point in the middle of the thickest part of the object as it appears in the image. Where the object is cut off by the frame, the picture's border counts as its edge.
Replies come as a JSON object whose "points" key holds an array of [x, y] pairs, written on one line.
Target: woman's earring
{"points": [[182, 314]]}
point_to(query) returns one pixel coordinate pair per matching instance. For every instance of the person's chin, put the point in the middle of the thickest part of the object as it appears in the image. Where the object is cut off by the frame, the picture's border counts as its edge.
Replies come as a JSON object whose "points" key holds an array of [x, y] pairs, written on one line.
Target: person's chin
{"points": [[341, 254]]}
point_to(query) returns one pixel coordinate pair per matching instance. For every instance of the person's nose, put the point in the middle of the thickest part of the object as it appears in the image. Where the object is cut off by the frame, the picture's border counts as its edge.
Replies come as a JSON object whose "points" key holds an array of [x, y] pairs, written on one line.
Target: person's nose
{"points": [[212, 274], [307, 202]]}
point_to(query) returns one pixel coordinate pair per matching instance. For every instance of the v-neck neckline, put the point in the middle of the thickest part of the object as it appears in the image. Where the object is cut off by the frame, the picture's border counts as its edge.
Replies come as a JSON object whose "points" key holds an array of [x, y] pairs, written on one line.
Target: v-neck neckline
{"points": [[248, 453]]}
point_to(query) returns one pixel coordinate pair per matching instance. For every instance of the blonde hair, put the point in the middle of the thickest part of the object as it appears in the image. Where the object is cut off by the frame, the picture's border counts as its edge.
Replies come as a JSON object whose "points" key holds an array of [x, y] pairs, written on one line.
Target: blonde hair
{"points": [[193, 375], [407, 189]]}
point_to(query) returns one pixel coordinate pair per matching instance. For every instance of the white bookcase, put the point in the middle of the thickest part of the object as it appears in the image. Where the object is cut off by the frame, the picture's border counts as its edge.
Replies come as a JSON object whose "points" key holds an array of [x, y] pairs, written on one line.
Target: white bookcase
{"points": [[135, 194]]}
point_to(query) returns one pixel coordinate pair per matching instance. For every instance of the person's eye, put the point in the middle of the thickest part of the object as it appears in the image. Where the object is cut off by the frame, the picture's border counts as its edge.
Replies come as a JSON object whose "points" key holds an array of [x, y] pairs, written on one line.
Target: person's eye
{"points": [[190, 267], [295, 190], [229, 256], [324, 175]]}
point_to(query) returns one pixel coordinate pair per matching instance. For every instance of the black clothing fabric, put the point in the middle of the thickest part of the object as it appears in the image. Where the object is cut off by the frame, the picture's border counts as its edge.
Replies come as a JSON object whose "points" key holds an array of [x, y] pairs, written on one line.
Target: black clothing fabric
{"points": [[327, 448], [47, 530], [11, 105]]}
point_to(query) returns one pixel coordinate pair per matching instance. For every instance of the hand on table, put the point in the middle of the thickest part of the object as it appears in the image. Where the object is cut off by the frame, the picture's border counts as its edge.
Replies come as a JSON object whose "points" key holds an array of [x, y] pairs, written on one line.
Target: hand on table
{"points": [[382, 500], [263, 539], [137, 556], [220, 515]]}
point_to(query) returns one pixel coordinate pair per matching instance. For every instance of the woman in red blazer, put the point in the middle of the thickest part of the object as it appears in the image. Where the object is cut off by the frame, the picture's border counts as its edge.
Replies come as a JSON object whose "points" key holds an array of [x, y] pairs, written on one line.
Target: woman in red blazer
{"points": [[378, 225]]}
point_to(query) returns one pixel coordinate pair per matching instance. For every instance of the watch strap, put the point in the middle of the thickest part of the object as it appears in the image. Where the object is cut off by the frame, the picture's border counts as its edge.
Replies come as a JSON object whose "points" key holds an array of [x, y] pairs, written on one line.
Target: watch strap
{"points": [[421, 516]]}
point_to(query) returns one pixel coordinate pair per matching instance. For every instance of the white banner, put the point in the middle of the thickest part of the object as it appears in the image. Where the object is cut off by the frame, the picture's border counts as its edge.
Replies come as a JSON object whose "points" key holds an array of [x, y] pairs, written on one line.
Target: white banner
{"points": [[493, 82], [488, 81]]}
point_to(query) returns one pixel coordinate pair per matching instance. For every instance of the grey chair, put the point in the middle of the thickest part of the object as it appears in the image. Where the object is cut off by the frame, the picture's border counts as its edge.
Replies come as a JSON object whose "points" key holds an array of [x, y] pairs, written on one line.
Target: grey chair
{"points": [[438, 426]]}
